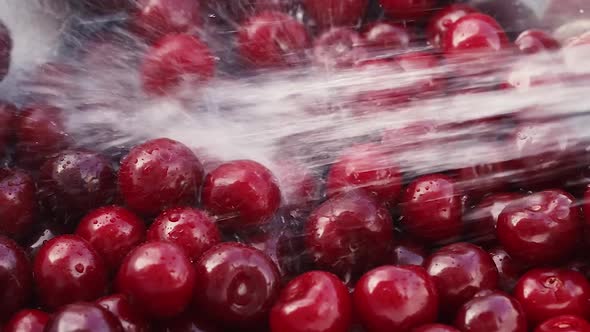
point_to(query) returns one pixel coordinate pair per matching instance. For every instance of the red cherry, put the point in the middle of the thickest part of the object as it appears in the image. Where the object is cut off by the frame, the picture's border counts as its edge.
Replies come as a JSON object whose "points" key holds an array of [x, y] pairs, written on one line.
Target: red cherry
{"points": [[564, 323], [368, 168], [189, 228], [542, 228], [158, 174], [18, 203], [187, 323], [386, 36], [435, 328], [113, 232], [391, 298], [15, 278], [153, 19], [83, 316], [67, 270], [7, 123], [474, 32], [5, 50], [349, 234], [130, 319], [546, 293], [408, 252], [509, 270], [460, 270], [158, 278], [327, 13], [236, 285], [174, 61], [27, 320], [241, 193], [534, 41], [338, 47], [442, 21], [408, 9], [300, 307], [272, 38], [431, 208], [493, 311]]}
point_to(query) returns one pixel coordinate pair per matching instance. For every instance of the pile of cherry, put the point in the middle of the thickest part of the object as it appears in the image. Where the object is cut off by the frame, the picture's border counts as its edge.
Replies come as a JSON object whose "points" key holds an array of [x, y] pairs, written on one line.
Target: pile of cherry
{"points": [[151, 242]]}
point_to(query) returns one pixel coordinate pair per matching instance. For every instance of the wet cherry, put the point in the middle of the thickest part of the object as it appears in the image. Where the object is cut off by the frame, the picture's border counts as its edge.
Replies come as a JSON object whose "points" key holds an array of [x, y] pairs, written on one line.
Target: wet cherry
{"points": [[384, 36], [535, 41], [435, 328], [27, 320], [480, 221], [442, 20], [564, 323], [338, 47], [131, 320], [408, 9], [153, 19], [83, 316], [18, 203], [509, 270], [327, 13], [8, 114], [493, 311], [474, 32], [409, 252], [15, 278]]}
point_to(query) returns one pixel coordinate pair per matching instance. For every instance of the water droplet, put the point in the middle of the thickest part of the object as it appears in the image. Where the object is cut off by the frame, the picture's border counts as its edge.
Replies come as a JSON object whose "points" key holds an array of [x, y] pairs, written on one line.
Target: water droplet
{"points": [[79, 268], [174, 217]]}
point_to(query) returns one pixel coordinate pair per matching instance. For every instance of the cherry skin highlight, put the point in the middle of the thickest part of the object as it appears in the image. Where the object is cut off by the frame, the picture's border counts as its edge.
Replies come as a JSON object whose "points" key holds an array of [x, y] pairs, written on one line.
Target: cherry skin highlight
{"points": [[15, 278], [509, 270], [386, 36], [435, 328], [442, 20], [534, 41], [494, 311], [18, 203], [339, 47], [328, 13], [5, 50], [408, 9], [152, 19], [129, 318], [474, 32], [27, 320], [409, 252], [564, 323], [480, 222], [83, 316]]}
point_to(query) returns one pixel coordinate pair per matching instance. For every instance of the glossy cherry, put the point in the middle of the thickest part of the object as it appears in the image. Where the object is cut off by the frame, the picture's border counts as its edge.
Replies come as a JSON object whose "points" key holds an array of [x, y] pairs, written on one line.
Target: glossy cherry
{"points": [[27, 320], [113, 232], [338, 47], [435, 328], [460, 270], [564, 323], [386, 36], [83, 316], [492, 311], [241, 193], [236, 285], [474, 32], [159, 174], [18, 203], [391, 298], [5, 50], [176, 61], [509, 270], [545, 293], [442, 20], [272, 38], [15, 278], [67, 269], [327, 13], [480, 221], [153, 19], [409, 252], [191, 229], [7, 122], [158, 278], [129, 318], [301, 305], [431, 208], [535, 41], [408, 9], [542, 228]]}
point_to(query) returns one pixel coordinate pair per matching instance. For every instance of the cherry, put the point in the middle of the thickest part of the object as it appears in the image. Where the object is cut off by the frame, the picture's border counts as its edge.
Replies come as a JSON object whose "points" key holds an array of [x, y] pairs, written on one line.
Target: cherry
{"points": [[158, 174], [44, 233], [494, 311], [83, 316], [509, 270], [435, 328], [369, 168], [480, 222], [545, 293], [27, 320], [327, 13], [5, 50], [338, 47], [542, 228], [391, 298], [74, 182], [408, 9], [564, 323], [442, 20], [191, 229], [158, 278], [174, 61], [15, 278], [535, 41], [113, 232], [301, 305], [7, 122], [236, 285], [300, 186], [431, 207], [349, 234], [130, 319], [67, 270], [187, 323], [474, 32], [18, 203], [153, 19], [460, 270], [272, 38], [386, 36], [241, 193], [408, 252]]}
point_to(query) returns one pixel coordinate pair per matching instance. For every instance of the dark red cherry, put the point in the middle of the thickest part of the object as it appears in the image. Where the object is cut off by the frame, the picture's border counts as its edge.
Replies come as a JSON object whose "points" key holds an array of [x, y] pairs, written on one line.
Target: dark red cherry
{"points": [[74, 182], [5, 50], [44, 233], [535, 41], [542, 228], [545, 293], [236, 285], [474, 32], [153, 19], [191, 229], [176, 61], [113, 232], [435, 328], [480, 221], [83, 316], [300, 307], [494, 311], [27, 320], [409, 252], [187, 322], [460, 270], [564, 323], [338, 47], [408, 9], [349, 234], [391, 298], [15, 278], [509, 270], [369, 168], [158, 278], [272, 38], [18, 203], [241, 193], [67, 269], [327, 13], [431, 208], [386, 37], [131, 320], [442, 20], [7, 123], [159, 174]]}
